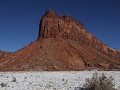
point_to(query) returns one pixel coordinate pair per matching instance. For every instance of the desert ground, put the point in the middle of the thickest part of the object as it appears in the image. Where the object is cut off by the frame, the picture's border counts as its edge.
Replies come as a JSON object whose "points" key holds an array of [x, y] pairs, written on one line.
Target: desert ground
{"points": [[45, 80]]}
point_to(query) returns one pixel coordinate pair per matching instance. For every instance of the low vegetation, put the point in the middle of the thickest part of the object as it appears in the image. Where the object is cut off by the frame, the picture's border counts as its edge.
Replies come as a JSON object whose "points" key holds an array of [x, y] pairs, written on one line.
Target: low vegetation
{"points": [[14, 79], [99, 82], [3, 84]]}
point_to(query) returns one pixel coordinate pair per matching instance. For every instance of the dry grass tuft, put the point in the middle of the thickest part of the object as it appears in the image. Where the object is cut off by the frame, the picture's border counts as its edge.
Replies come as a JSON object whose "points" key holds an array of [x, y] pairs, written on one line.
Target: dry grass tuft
{"points": [[99, 82]]}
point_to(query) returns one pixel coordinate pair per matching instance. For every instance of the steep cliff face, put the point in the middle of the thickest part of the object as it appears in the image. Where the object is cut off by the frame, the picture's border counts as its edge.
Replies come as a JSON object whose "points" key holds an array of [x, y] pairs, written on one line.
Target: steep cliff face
{"points": [[63, 44], [53, 25]]}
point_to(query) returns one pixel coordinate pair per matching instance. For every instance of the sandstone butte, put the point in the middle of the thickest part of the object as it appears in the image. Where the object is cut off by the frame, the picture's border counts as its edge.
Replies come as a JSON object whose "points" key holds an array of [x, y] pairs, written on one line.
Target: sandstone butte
{"points": [[63, 44]]}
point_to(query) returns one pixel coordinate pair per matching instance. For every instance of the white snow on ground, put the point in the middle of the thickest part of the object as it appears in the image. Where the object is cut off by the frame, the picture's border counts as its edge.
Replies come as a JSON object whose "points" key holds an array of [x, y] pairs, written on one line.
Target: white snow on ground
{"points": [[50, 80]]}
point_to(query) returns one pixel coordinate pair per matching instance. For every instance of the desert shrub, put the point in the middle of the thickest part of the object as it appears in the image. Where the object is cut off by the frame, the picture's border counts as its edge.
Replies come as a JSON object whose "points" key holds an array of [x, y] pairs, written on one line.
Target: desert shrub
{"points": [[99, 82], [14, 79], [3, 84]]}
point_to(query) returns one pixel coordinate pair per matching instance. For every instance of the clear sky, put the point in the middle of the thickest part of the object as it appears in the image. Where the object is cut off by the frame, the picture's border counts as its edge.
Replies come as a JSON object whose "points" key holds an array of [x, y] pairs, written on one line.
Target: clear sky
{"points": [[19, 19]]}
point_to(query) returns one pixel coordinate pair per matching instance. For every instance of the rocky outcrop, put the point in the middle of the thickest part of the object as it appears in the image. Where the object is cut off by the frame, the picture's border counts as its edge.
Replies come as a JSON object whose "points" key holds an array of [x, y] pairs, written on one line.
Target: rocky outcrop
{"points": [[63, 44], [53, 25]]}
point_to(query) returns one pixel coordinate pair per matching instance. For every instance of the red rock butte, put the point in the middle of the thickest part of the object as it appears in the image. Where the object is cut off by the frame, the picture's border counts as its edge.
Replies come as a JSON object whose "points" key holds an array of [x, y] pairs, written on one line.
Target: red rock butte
{"points": [[63, 44]]}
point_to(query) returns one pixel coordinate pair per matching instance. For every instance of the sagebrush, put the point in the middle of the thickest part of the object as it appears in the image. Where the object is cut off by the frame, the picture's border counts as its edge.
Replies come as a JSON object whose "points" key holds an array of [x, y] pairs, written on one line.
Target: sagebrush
{"points": [[99, 82]]}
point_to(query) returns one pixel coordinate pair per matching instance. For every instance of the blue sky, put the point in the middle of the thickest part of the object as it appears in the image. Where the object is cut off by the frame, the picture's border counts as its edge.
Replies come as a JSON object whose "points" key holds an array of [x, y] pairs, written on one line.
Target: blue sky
{"points": [[19, 19]]}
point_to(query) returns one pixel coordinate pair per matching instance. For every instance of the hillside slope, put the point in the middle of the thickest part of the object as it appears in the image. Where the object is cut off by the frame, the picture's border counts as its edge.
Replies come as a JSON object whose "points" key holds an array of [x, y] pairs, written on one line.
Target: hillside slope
{"points": [[63, 44], [4, 53]]}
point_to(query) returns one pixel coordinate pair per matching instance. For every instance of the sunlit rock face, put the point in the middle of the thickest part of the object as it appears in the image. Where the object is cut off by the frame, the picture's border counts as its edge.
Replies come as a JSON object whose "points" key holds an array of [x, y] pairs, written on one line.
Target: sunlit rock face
{"points": [[63, 44], [53, 25]]}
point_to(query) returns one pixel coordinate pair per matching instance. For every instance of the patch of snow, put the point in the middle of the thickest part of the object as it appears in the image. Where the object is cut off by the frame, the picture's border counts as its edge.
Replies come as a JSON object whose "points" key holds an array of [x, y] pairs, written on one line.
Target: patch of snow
{"points": [[50, 80]]}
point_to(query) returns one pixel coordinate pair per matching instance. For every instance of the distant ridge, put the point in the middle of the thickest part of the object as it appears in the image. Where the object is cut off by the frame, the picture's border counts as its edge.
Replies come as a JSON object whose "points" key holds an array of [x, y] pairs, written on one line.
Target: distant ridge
{"points": [[4, 53]]}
